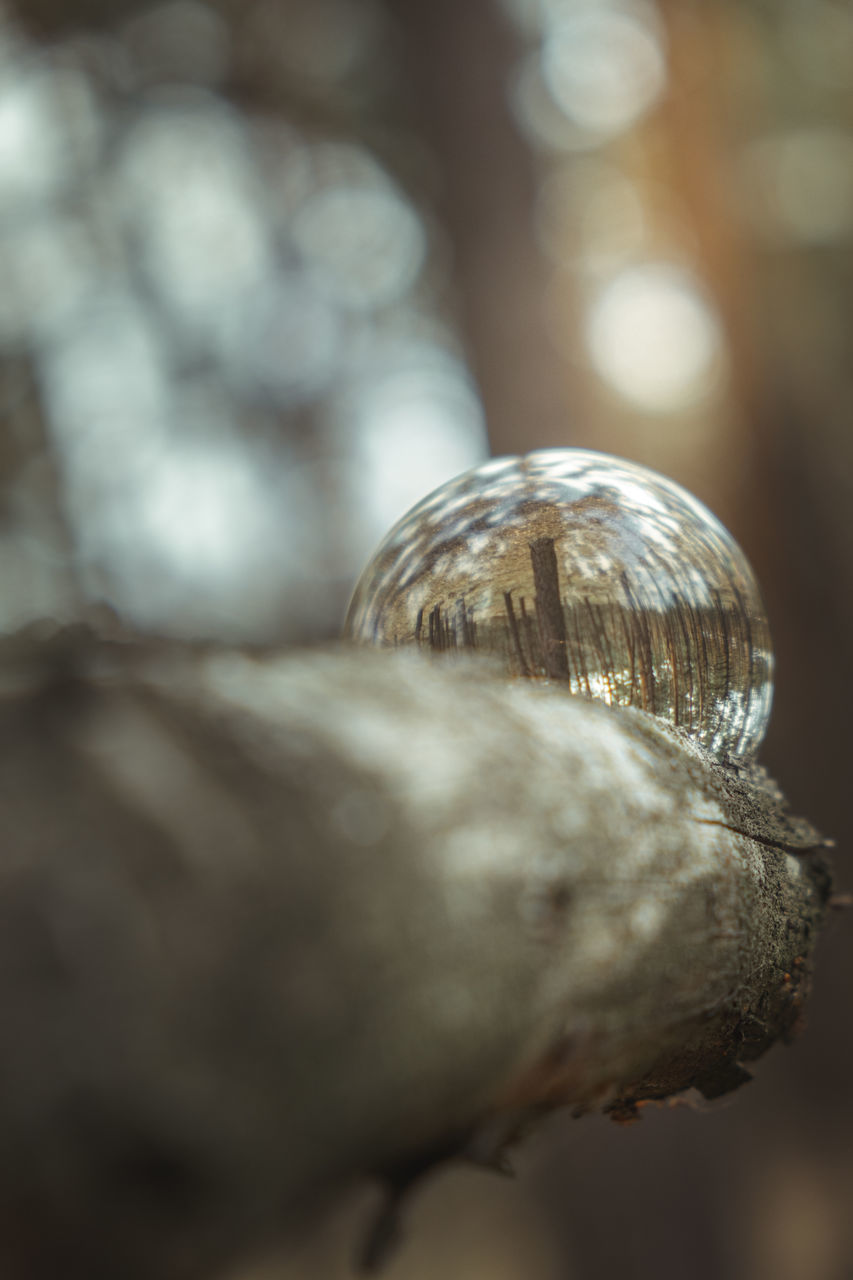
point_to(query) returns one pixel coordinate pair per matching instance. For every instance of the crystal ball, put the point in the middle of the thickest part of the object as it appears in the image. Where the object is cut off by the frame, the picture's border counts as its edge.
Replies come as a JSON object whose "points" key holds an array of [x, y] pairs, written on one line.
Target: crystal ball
{"points": [[581, 568]]}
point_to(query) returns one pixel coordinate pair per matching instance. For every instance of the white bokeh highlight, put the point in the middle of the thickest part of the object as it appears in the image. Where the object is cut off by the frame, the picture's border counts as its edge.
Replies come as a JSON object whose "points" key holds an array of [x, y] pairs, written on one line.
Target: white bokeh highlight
{"points": [[654, 338]]}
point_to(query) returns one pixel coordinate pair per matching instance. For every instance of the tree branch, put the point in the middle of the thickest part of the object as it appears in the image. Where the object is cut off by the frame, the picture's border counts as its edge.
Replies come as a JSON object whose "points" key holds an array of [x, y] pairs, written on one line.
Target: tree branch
{"points": [[270, 923]]}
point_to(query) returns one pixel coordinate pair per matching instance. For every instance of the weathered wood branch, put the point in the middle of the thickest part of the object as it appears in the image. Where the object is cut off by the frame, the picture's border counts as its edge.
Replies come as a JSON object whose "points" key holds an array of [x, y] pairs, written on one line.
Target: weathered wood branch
{"points": [[270, 923]]}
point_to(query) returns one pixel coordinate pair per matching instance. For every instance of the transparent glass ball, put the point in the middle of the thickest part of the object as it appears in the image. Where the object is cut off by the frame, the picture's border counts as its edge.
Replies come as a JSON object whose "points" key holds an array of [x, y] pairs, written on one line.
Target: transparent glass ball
{"points": [[581, 568]]}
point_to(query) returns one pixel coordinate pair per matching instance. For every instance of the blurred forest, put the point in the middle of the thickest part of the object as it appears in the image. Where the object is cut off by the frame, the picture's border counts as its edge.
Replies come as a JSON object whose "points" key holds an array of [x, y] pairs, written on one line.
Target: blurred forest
{"points": [[270, 270]]}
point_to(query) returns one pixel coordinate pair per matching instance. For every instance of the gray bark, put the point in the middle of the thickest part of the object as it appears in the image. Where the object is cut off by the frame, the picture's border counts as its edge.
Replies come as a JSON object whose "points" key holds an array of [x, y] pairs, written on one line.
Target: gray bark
{"points": [[269, 923]]}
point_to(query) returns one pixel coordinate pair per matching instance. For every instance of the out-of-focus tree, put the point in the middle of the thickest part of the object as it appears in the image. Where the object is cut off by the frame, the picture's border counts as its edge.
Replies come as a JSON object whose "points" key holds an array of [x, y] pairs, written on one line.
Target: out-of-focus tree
{"points": [[269, 271]]}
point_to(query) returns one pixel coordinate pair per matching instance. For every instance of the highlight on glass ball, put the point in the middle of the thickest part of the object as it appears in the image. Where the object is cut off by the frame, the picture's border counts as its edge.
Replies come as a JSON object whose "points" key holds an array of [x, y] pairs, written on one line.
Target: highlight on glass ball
{"points": [[581, 568]]}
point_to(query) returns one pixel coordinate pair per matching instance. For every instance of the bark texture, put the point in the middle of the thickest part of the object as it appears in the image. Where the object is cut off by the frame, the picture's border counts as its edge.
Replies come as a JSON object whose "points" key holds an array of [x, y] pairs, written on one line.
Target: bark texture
{"points": [[269, 923]]}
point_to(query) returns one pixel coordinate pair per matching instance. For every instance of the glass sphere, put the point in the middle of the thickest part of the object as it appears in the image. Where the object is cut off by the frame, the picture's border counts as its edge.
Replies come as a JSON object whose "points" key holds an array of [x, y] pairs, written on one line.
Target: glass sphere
{"points": [[578, 567]]}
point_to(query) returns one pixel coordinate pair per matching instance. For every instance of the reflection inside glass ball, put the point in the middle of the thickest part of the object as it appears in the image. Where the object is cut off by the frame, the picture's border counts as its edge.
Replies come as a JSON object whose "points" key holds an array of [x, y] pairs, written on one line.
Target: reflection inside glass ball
{"points": [[581, 568]]}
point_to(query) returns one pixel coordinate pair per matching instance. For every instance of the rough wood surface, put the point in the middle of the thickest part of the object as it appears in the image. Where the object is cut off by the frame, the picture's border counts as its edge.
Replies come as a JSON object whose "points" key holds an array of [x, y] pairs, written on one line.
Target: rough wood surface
{"points": [[268, 923]]}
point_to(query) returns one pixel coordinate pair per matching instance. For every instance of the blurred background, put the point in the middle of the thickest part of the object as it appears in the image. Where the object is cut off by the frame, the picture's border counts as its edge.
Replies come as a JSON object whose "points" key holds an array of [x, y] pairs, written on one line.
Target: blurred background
{"points": [[270, 270]]}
